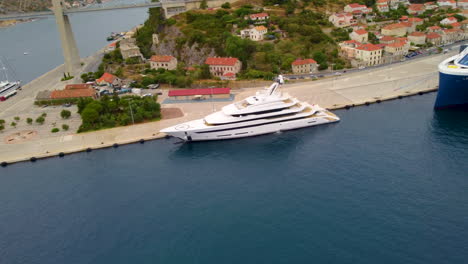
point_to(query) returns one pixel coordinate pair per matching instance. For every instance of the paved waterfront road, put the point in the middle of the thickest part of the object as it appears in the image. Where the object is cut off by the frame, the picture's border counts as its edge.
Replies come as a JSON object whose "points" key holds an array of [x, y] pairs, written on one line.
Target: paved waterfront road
{"points": [[354, 88]]}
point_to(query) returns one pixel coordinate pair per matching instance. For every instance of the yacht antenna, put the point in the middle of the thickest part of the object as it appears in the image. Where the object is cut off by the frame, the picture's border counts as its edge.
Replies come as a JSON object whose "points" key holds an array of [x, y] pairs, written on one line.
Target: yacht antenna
{"points": [[275, 85]]}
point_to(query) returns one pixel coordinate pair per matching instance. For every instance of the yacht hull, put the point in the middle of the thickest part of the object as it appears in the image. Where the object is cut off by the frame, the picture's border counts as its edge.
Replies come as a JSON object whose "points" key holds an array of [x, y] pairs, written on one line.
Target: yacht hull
{"points": [[248, 131]]}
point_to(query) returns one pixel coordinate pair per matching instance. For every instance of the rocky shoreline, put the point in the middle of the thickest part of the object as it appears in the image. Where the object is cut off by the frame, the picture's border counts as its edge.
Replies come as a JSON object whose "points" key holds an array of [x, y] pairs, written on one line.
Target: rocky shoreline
{"points": [[14, 22]]}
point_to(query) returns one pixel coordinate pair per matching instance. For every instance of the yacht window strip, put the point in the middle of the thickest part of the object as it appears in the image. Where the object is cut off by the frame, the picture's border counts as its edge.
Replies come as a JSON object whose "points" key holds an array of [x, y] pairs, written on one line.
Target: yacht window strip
{"points": [[257, 125], [258, 118]]}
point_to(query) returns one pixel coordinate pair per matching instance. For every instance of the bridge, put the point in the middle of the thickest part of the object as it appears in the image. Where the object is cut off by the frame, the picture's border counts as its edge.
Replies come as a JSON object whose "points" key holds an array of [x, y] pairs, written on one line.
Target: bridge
{"points": [[61, 13], [94, 8]]}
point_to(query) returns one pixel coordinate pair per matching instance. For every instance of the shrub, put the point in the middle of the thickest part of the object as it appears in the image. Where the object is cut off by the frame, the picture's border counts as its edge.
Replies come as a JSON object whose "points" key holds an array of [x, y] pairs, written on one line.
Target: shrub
{"points": [[55, 130], [40, 120], [2, 121], [2, 127], [65, 114], [226, 5], [17, 118], [65, 127], [44, 114], [13, 124], [29, 120]]}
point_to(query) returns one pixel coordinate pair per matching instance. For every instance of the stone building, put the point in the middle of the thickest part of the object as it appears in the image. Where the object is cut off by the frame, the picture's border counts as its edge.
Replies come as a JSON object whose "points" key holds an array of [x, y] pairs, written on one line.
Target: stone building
{"points": [[163, 62], [300, 66]]}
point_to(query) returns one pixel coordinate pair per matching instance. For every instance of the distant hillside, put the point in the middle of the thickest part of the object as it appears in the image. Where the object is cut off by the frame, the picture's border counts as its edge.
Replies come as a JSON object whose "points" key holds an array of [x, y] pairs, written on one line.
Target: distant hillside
{"points": [[7, 6], [12, 6]]}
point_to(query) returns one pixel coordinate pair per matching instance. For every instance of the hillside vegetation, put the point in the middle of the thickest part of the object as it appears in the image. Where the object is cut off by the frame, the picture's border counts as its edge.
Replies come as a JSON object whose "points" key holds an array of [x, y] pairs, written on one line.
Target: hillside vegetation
{"points": [[295, 31]]}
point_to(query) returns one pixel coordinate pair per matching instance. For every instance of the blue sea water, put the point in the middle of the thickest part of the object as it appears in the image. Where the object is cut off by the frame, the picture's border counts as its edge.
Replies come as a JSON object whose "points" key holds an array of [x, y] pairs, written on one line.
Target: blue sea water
{"points": [[388, 184]]}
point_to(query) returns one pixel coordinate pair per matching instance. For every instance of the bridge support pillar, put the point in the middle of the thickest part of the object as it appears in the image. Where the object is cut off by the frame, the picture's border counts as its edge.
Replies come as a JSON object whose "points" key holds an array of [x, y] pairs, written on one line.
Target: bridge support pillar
{"points": [[69, 47]]}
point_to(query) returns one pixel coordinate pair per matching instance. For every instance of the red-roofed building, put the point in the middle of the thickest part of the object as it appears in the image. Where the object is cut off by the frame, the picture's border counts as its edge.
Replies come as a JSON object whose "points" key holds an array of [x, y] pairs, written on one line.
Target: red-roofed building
{"points": [[416, 9], [342, 19], [259, 17], [417, 38], [387, 39], [220, 66], [464, 25], [369, 54], [78, 86], [398, 29], [73, 94], [203, 93], [448, 21], [163, 62], [397, 49], [463, 4], [416, 21], [404, 19], [111, 47], [300, 66], [456, 25], [434, 38], [359, 35], [355, 7], [452, 35], [430, 5], [382, 6], [348, 48], [447, 4], [434, 29], [109, 80]]}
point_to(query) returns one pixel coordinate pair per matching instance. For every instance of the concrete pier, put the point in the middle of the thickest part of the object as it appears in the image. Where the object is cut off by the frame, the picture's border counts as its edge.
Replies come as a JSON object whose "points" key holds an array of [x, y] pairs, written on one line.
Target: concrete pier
{"points": [[351, 89]]}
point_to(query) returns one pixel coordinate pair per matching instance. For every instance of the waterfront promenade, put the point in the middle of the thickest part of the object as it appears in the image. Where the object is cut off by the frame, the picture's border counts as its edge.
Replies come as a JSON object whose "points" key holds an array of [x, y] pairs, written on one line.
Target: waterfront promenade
{"points": [[358, 88]]}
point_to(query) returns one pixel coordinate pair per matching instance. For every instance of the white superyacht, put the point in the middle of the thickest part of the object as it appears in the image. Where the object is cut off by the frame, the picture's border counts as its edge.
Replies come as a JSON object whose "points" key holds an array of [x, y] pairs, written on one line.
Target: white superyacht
{"points": [[268, 111]]}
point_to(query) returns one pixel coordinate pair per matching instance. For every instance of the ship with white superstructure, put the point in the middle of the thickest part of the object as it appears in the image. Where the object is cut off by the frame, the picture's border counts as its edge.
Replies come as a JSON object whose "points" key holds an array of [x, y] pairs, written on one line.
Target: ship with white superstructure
{"points": [[269, 111]]}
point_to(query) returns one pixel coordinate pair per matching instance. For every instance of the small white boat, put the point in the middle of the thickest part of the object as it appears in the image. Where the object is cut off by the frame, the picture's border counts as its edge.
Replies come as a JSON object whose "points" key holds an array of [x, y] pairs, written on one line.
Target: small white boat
{"points": [[269, 111], [26, 53]]}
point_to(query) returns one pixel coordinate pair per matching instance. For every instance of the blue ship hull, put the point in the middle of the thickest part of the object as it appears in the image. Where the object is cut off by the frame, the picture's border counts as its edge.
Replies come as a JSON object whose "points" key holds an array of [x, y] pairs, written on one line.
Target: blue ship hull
{"points": [[453, 91]]}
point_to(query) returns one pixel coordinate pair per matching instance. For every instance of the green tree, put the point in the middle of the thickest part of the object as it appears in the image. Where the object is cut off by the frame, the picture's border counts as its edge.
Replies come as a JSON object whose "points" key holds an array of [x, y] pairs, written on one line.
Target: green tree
{"points": [[17, 118], [29, 120], [65, 114], [203, 4], [2, 127], [2, 121], [44, 114], [55, 130], [373, 38], [90, 115], [205, 72], [226, 5], [13, 124], [40, 120]]}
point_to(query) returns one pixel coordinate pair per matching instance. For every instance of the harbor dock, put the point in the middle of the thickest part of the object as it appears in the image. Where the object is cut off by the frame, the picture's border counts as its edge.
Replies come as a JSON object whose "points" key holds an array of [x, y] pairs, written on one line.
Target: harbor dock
{"points": [[373, 85]]}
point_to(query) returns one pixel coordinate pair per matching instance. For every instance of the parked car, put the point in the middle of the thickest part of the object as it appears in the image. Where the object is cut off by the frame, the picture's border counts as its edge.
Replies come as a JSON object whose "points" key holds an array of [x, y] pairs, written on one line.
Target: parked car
{"points": [[361, 67], [153, 86], [321, 76], [66, 105]]}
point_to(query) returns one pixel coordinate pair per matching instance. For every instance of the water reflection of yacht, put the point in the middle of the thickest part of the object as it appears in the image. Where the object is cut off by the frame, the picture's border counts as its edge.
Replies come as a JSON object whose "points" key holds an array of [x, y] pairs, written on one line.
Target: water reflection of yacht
{"points": [[268, 111]]}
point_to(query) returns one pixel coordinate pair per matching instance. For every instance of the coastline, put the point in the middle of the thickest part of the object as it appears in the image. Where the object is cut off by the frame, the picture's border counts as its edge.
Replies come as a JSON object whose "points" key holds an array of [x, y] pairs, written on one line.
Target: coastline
{"points": [[14, 22], [338, 92], [63, 151]]}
